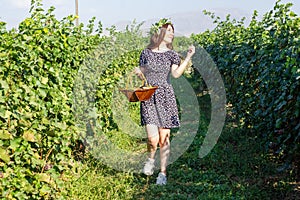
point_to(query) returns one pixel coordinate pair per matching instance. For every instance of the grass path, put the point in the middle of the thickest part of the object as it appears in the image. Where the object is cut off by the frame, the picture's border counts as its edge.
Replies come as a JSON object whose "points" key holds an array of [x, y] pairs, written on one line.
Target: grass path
{"points": [[236, 168]]}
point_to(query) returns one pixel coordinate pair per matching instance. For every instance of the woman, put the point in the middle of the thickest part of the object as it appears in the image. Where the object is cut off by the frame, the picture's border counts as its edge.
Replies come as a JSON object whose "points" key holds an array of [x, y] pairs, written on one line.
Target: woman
{"points": [[159, 114]]}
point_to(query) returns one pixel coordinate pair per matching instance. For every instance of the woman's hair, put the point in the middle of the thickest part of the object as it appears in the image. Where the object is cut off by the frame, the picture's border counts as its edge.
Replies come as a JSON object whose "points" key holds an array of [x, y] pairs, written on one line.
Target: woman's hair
{"points": [[157, 38]]}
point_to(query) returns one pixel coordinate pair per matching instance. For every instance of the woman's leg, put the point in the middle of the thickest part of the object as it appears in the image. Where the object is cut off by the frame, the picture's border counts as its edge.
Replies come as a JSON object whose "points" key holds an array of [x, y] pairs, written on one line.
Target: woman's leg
{"points": [[164, 143], [153, 139]]}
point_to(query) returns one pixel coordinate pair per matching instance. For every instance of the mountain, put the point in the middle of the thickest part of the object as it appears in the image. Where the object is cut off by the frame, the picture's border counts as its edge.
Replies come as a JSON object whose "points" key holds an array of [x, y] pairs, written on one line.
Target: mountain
{"points": [[187, 23]]}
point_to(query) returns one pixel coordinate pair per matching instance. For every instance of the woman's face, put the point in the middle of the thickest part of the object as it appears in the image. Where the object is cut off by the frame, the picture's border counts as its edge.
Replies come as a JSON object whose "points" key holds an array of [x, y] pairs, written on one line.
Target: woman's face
{"points": [[169, 35]]}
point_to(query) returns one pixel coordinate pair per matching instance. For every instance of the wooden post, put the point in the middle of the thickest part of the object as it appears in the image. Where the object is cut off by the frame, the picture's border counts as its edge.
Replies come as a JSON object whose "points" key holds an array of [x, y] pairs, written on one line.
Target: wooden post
{"points": [[76, 12]]}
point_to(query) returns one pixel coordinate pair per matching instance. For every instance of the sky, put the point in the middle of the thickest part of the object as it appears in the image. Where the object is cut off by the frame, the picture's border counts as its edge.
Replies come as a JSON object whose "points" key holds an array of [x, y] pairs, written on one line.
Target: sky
{"points": [[113, 11]]}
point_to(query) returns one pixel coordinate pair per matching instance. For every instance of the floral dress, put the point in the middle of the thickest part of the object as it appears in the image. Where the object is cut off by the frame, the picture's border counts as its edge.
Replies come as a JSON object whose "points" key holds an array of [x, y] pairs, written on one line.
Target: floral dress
{"points": [[161, 109]]}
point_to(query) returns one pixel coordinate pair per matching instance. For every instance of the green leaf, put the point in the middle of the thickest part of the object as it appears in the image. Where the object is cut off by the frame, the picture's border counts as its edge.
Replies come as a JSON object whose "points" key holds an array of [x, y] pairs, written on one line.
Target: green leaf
{"points": [[45, 190], [42, 92], [6, 114], [4, 155], [4, 84], [15, 143], [43, 177], [44, 80], [292, 14], [5, 135], [29, 136]]}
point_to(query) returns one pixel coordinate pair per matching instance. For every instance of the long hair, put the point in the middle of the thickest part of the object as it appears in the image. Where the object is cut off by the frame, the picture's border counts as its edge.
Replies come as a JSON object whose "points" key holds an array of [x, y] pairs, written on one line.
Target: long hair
{"points": [[157, 38]]}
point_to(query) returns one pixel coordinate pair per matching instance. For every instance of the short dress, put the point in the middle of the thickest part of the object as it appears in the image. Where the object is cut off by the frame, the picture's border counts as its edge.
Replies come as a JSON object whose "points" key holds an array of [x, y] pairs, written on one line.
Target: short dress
{"points": [[161, 109]]}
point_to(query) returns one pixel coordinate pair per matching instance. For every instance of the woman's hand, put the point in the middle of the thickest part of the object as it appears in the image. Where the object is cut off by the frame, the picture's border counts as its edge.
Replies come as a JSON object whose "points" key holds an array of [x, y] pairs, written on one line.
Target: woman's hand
{"points": [[191, 51], [177, 71], [137, 71]]}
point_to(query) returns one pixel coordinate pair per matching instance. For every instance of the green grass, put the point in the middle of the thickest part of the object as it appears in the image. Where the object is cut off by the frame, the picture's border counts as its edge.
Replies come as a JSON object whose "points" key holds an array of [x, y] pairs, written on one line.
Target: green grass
{"points": [[237, 168]]}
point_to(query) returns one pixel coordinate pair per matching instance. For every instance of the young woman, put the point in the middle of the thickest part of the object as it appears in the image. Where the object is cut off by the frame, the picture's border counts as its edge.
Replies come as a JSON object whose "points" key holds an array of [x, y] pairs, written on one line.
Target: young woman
{"points": [[159, 114]]}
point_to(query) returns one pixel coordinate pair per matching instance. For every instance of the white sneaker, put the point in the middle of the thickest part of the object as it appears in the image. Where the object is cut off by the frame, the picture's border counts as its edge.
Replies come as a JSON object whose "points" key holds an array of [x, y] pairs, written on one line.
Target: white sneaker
{"points": [[161, 179], [149, 167]]}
